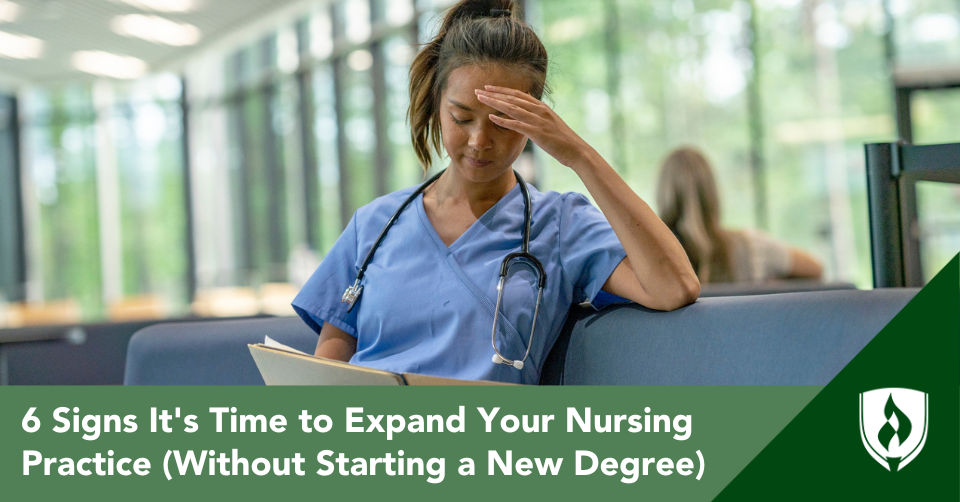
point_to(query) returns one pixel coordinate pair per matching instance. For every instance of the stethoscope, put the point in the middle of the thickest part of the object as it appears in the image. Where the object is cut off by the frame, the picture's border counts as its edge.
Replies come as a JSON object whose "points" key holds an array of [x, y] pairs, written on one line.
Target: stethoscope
{"points": [[352, 294]]}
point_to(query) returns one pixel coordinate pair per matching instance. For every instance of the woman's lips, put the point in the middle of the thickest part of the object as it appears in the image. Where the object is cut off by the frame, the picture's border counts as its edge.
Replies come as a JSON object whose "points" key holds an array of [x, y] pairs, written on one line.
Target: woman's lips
{"points": [[477, 162]]}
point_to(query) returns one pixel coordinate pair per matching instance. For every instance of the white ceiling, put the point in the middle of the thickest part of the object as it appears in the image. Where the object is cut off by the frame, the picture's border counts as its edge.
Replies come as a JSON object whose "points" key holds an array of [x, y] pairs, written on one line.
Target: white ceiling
{"points": [[67, 26]]}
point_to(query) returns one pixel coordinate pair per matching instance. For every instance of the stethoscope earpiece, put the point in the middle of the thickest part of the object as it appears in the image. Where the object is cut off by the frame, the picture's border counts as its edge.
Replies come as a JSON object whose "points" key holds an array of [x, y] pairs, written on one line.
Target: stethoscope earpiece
{"points": [[498, 359]]}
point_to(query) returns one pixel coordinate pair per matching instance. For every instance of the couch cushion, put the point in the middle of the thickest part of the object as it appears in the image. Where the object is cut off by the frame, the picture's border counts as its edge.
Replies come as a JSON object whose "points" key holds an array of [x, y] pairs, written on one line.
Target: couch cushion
{"points": [[782, 339], [208, 353]]}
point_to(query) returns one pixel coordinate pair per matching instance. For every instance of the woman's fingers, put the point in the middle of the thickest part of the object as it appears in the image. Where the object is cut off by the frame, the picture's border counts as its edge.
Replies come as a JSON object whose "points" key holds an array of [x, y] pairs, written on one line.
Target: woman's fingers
{"points": [[513, 125], [506, 105], [511, 92], [514, 97]]}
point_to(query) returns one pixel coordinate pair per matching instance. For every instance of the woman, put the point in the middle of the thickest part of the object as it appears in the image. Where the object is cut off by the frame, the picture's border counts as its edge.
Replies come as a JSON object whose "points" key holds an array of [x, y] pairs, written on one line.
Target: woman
{"points": [[689, 205], [428, 297]]}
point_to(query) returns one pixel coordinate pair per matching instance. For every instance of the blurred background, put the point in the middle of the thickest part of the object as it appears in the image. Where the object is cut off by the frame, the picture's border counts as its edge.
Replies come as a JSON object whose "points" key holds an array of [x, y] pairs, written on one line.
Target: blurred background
{"points": [[164, 158]]}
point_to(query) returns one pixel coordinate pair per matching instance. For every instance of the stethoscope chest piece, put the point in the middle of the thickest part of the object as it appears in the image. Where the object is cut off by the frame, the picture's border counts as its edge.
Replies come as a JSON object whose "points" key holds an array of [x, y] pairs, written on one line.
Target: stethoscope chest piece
{"points": [[351, 295]]}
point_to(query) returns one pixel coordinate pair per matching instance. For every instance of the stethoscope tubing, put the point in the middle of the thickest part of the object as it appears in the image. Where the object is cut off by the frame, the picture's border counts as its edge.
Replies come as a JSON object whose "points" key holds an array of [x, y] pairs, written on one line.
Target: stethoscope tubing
{"points": [[393, 219]]}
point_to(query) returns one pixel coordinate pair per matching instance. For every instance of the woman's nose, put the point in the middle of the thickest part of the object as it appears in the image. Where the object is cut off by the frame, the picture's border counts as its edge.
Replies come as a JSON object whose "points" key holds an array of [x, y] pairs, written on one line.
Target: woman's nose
{"points": [[480, 139]]}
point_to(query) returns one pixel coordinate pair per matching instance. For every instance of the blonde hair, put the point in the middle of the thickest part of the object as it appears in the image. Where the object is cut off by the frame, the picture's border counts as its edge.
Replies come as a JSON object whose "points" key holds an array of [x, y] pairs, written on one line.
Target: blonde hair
{"points": [[689, 204], [473, 32]]}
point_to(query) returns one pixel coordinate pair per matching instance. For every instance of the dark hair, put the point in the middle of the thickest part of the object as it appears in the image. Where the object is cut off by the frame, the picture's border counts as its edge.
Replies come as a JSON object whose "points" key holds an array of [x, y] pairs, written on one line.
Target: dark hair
{"points": [[473, 32]]}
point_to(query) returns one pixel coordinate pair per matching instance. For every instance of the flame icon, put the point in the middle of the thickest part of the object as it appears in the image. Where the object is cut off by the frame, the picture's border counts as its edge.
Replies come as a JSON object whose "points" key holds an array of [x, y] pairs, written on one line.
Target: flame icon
{"points": [[897, 426], [894, 432]]}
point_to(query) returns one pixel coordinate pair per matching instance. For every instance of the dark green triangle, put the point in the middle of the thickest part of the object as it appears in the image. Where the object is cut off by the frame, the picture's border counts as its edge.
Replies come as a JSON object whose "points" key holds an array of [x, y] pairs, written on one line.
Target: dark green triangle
{"points": [[820, 455]]}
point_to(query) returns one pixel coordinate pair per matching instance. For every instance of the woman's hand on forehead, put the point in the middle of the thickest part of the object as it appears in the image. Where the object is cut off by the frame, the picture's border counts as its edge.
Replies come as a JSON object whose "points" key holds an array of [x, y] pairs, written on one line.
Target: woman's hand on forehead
{"points": [[531, 117]]}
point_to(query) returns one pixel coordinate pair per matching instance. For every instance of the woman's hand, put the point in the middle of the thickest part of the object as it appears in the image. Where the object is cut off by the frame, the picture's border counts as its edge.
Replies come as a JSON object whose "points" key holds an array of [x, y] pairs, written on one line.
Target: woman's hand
{"points": [[656, 272], [534, 119]]}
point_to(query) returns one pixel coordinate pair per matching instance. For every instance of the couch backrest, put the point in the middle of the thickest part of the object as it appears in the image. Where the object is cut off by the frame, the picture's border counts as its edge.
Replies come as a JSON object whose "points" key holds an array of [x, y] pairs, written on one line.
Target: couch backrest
{"points": [[96, 357], [781, 339], [208, 353], [770, 287]]}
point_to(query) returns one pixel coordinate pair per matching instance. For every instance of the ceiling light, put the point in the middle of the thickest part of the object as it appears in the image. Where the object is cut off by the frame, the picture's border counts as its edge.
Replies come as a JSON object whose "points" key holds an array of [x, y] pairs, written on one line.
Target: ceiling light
{"points": [[108, 65], [156, 29], [20, 46], [163, 5], [9, 11]]}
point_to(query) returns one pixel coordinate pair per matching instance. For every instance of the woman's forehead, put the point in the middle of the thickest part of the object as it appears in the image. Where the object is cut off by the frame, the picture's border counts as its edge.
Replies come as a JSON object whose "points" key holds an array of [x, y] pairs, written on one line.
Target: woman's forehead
{"points": [[465, 79]]}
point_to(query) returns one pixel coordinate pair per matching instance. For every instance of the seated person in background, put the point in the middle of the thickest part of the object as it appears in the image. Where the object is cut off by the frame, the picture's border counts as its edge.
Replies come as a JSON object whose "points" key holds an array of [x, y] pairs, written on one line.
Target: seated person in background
{"points": [[688, 203]]}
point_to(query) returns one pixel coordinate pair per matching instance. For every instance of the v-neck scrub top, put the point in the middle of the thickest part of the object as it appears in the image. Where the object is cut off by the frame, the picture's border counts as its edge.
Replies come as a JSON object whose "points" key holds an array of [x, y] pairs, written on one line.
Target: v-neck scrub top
{"points": [[428, 308]]}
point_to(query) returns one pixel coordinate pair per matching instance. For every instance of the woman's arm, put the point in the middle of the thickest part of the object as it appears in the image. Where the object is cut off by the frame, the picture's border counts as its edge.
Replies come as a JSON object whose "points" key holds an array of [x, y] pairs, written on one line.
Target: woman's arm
{"points": [[656, 272], [334, 343]]}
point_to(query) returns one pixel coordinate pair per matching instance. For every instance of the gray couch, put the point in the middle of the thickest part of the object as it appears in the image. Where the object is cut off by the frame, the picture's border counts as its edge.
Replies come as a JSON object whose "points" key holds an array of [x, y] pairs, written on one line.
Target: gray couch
{"points": [[780, 339]]}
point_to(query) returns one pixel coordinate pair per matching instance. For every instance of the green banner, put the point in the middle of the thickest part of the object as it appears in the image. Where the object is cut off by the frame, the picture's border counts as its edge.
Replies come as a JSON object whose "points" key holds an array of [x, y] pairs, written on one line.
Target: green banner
{"points": [[654, 442], [888, 426]]}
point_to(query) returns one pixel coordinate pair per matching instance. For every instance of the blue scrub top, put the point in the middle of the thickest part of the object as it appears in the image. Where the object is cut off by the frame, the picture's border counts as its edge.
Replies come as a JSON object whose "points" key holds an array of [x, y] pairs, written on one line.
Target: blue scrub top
{"points": [[428, 308]]}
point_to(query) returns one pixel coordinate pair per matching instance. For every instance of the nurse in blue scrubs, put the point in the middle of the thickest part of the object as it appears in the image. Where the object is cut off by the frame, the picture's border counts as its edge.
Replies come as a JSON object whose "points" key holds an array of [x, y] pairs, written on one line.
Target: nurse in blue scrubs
{"points": [[430, 293]]}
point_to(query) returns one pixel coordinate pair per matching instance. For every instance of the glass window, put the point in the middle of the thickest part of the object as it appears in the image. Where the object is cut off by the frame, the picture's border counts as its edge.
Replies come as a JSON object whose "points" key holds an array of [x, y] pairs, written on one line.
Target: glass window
{"points": [[356, 20], [104, 175], [147, 134], [936, 116], [430, 18], [325, 130], [12, 259], [61, 171], [285, 122], [261, 179], [674, 74], [213, 157], [938, 214], [321, 35], [926, 32], [398, 54], [572, 32], [394, 12], [358, 125], [826, 92]]}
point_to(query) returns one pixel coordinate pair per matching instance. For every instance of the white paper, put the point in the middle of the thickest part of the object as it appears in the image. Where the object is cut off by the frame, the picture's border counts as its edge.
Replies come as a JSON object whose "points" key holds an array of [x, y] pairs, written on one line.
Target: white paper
{"points": [[270, 342]]}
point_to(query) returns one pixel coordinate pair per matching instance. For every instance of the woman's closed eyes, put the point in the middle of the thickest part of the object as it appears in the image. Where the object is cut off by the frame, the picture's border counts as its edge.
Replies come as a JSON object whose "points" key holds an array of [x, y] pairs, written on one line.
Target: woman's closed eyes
{"points": [[468, 120]]}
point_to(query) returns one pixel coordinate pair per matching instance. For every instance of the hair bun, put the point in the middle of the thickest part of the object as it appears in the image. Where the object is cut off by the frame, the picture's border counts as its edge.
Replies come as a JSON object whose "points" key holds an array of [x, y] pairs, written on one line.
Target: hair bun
{"points": [[471, 9]]}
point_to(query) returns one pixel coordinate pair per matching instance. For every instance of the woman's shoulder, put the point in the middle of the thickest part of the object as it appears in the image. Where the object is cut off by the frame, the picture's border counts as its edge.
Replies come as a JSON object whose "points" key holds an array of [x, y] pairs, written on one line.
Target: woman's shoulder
{"points": [[571, 214], [554, 201], [565, 208]]}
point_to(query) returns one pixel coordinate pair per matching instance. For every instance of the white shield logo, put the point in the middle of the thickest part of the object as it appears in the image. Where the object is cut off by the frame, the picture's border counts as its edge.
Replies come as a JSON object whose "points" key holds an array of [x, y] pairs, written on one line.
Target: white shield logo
{"points": [[893, 425]]}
